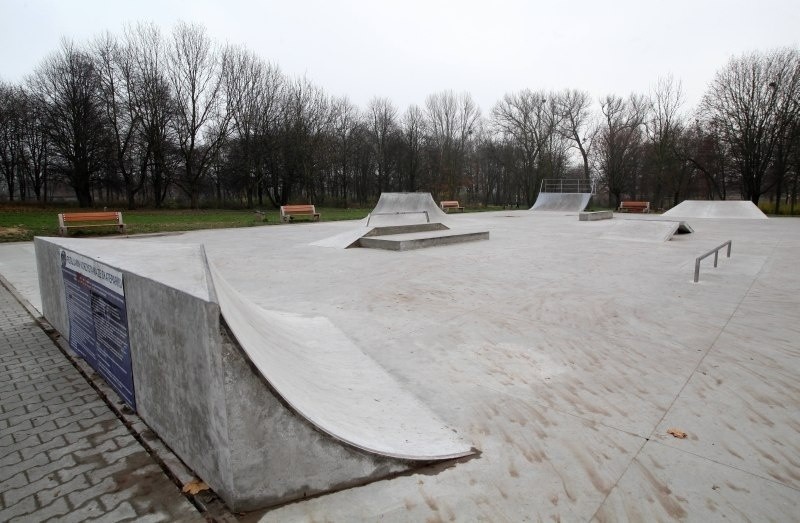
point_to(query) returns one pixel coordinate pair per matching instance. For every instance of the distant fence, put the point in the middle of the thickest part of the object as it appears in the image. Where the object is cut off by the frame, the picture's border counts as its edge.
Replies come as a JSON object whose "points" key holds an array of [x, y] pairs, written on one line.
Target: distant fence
{"points": [[567, 186]]}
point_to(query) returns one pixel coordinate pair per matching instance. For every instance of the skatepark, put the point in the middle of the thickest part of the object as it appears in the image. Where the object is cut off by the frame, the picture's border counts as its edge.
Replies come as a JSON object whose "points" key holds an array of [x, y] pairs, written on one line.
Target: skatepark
{"points": [[539, 373]]}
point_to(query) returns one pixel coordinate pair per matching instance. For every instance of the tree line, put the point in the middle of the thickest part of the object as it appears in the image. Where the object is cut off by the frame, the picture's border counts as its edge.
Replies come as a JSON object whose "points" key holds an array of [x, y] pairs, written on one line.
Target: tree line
{"points": [[145, 118]]}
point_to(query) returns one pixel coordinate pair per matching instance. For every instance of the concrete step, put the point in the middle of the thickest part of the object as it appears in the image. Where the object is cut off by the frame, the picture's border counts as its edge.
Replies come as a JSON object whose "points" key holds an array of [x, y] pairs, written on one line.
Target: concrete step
{"points": [[419, 240], [404, 229]]}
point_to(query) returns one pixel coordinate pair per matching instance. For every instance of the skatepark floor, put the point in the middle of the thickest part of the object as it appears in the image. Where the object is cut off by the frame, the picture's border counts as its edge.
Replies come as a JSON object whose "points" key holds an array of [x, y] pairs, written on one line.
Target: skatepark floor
{"points": [[564, 351]]}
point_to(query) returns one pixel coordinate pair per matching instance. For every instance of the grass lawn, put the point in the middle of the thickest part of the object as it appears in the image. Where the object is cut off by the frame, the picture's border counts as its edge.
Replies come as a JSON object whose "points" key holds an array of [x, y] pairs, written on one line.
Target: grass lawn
{"points": [[22, 223]]}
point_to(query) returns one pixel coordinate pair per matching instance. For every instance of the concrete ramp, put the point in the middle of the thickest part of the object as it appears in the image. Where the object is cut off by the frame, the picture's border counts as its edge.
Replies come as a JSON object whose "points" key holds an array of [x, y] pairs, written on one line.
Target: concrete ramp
{"points": [[640, 230], [321, 374], [725, 209], [405, 221], [266, 407], [562, 202], [401, 208]]}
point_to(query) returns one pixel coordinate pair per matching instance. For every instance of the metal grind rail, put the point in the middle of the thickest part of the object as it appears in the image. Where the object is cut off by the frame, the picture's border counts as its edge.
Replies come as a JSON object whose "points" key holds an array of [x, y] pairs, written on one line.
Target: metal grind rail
{"points": [[715, 252], [427, 217]]}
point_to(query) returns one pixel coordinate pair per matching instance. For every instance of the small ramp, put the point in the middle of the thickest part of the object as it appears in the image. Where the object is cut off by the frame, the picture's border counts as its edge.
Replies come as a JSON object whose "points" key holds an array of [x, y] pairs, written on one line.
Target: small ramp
{"points": [[722, 209], [563, 195], [657, 231]]}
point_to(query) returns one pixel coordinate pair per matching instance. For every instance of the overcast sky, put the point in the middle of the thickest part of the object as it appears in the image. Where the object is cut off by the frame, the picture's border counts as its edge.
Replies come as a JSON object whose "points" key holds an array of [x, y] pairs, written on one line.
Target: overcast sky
{"points": [[408, 49]]}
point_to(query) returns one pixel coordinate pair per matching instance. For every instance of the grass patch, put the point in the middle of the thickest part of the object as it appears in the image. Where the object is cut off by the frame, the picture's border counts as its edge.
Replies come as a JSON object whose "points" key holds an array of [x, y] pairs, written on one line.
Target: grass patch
{"points": [[785, 210], [22, 223]]}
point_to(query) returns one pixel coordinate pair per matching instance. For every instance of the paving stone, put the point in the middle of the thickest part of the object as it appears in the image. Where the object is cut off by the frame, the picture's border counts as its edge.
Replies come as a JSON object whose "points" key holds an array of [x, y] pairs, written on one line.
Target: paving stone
{"points": [[62, 450], [9, 511]]}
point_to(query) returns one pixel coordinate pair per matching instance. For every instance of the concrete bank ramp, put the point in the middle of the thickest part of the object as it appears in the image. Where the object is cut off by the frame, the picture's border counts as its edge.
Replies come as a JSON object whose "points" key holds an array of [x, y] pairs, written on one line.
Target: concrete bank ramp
{"points": [[329, 381], [726, 209], [642, 230], [563, 202]]}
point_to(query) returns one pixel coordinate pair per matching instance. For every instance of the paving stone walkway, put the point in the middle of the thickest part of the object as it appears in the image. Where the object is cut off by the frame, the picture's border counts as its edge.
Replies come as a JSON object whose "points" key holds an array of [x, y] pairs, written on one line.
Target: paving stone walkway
{"points": [[64, 455]]}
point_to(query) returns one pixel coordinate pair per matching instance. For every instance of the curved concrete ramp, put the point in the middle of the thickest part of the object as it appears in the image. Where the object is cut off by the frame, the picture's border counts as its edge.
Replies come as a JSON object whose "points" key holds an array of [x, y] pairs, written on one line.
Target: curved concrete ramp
{"points": [[329, 381], [726, 209], [563, 202], [402, 208]]}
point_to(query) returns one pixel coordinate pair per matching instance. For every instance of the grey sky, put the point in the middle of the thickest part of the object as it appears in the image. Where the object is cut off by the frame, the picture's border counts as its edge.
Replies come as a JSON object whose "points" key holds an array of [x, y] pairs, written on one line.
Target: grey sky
{"points": [[405, 50]]}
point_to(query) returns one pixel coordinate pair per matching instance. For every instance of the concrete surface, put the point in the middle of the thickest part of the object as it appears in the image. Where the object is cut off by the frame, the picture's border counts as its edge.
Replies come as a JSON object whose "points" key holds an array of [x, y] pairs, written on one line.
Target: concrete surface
{"points": [[64, 455], [726, 209], [569, 202], [565, 357]]}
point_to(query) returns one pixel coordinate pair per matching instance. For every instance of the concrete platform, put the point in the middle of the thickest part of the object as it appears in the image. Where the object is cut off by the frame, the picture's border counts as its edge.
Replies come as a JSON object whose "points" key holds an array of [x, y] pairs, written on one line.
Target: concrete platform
{"points": [[728, 209], [564, 357], [420, 240]]}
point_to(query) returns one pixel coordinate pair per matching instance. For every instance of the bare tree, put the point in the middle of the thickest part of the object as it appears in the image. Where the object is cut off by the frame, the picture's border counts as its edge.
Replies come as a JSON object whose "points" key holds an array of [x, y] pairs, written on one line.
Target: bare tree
{"points": [[344, 129], [253, 89], [619, 147], [750, 102], [305, 117], [412, 130], [196, 72], [155, 108], [664, 126], [67, 85], [116, 74], [577, 123], [12, 118], [450, 121], [525, 121], [382, 117]]}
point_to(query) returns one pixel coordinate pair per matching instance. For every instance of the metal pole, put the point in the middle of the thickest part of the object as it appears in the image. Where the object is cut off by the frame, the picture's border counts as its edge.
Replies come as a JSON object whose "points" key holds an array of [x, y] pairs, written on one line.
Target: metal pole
{"points": [[697, 270], [716, 257], [730, 242]]}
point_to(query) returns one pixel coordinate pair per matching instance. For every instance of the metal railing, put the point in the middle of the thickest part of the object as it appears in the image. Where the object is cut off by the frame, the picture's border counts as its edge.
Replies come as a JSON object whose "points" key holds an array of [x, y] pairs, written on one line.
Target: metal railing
{"points": [[427, 217], [567, 186], [715, 252]]}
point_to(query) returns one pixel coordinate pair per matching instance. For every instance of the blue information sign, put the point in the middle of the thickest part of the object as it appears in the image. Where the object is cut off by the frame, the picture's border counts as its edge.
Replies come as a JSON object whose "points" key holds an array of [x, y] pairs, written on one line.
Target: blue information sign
{"points": [[98, 320]]}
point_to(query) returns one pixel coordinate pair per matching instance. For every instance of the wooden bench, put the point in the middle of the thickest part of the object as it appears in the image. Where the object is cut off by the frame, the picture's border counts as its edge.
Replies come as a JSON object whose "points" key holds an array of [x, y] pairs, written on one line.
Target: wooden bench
{"points": [[451, 204], [643, 207], [288, 212], [72, 220]]}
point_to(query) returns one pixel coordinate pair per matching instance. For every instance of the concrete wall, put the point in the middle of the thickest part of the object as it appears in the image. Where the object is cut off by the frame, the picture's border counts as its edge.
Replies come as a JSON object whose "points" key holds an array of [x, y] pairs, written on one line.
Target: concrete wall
{"points": [[198, 391]]}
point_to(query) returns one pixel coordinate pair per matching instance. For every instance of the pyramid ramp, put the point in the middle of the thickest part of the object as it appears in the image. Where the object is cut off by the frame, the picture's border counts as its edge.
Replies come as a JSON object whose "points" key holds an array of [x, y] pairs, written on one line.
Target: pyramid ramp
{"points": [[641, 230], [722, 209]]}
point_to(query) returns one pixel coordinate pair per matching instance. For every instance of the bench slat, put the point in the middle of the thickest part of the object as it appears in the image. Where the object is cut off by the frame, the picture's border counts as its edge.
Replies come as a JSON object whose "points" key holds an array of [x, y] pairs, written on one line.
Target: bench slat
{"points": [[287, 211], [450, 204], [88, 219]]}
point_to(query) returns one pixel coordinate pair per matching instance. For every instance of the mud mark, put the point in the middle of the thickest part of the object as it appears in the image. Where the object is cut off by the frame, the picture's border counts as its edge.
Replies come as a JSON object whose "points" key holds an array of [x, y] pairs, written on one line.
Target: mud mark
{"points": [[663, 493]]}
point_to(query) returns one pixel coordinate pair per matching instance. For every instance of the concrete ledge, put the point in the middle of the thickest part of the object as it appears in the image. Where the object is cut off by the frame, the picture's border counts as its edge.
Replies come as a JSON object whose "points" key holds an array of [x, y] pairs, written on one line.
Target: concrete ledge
{"points": [[407, 242], [595, 215]]}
